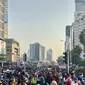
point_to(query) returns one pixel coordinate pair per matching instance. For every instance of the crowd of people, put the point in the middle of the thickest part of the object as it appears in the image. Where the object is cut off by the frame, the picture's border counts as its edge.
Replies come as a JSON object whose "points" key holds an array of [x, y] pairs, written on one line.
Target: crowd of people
{"points": [[19, 76]]}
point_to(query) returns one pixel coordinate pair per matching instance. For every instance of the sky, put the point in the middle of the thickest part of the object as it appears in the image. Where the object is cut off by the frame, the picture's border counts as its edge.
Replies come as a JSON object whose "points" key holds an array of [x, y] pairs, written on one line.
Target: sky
{"points": [[40, 21]]}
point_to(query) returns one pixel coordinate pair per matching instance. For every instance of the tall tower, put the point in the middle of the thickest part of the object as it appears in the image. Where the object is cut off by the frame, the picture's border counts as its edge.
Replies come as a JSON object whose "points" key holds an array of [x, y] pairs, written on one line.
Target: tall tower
{"points": [[1, 19], [67, 36], [49, 55], [37, 52], [5, 19], [79, 9]]}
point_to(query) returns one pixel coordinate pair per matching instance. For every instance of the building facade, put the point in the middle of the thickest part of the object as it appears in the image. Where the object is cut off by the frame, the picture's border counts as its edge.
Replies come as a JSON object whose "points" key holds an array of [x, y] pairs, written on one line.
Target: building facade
{"points": [[28, 55], [78, 26], [42, 57], [79, 8], [2, 50], [67, 36], [2, 30], [49, 55], [37, 52], [2, 19], [5, 19], [71, 38], [12, 50], [79, 23]]}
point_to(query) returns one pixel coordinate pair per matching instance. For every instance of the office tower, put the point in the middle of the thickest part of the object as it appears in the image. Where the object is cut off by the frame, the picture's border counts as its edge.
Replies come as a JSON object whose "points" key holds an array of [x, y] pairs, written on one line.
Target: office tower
{"points": [[2, 42], [42, 57], [5, 19], [28, 55], [79, 23], [79, 8], [37, 52], [2, 19], [78, 26], [49, 55], [12, 50], [71, 38], [67, 36], [25, 57]]}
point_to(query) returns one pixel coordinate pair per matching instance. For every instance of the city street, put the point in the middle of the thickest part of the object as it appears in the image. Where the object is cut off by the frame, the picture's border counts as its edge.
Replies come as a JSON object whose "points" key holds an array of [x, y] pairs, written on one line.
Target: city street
{"points": [[42, 42]]}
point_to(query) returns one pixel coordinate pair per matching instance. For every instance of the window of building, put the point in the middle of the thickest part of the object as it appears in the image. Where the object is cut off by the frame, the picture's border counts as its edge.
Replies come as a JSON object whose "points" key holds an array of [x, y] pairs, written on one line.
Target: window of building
{"points": [[8, 49]]}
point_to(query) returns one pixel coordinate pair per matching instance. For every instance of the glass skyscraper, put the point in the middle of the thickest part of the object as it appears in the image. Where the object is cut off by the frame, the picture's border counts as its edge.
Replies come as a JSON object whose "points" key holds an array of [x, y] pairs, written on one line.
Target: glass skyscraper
{"points": [[37, 52]]}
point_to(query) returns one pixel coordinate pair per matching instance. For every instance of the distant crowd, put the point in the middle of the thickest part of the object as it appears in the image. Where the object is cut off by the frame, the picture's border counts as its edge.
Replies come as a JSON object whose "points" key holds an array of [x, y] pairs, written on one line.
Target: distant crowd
{"points": [[39, 76]]}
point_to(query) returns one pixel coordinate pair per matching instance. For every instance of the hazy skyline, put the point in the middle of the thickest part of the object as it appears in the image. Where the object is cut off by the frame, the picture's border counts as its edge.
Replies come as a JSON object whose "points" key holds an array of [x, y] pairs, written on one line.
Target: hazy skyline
{"points": [[40, 21]]}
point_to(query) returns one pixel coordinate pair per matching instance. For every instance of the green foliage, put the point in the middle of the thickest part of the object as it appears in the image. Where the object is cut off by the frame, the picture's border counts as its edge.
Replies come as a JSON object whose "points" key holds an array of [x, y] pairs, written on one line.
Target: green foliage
{"points": [[76, 55], [80, 71], [82, 37], [60, 59], [82, 62]]}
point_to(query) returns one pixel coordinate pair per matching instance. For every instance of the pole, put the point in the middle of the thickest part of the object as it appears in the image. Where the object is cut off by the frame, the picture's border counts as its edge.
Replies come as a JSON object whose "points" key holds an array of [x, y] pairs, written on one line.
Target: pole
{"points": [[68, 61], [68, 56]]}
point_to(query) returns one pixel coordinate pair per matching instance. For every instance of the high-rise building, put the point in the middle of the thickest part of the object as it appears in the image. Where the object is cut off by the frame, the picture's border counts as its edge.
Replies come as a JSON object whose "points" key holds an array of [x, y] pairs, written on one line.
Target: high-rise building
{"points": [[67, 31], [2, 50], [79, 23], [37, 52], [71, 38], [2, 19], [42, 57], [79, 8], [78, 26], [12, 50], [28, 55], [67, 36], [5, 19], [49, 55]]}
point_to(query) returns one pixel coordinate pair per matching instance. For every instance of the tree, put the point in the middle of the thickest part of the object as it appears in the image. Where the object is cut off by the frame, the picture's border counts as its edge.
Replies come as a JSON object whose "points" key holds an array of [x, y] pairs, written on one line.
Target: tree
{"points": [[76, 55], [82, 62], [60, 59], [82, 38]]}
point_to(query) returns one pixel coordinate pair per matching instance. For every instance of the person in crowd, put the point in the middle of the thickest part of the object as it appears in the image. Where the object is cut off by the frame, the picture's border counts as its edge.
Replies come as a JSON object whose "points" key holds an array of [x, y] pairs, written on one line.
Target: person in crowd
{"points": [[69, 80], [33, 80], [53, 82], [0, 83], [48, 79], [80, 78]]}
